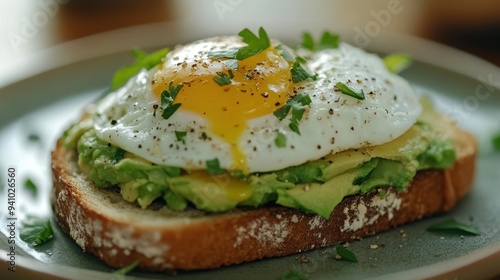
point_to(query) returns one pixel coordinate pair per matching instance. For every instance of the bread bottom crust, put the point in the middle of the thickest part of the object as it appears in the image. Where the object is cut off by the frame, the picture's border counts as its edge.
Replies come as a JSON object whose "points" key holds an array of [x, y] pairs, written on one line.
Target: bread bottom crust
{"points": [[116, 231]]}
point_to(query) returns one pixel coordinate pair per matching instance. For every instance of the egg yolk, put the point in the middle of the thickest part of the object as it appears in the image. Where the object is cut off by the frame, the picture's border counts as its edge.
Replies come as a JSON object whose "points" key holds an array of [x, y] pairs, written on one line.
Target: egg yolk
{"points": [[260, 85]]}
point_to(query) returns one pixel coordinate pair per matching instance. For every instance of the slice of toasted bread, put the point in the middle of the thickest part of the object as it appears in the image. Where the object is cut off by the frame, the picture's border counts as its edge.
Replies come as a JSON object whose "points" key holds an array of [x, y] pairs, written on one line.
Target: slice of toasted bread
{"points": [[121, 233]]}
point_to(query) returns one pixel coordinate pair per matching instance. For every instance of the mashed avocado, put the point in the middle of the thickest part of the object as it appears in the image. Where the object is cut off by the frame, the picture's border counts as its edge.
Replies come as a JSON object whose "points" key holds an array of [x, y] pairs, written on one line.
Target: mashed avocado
{"points": [[315, 187]]}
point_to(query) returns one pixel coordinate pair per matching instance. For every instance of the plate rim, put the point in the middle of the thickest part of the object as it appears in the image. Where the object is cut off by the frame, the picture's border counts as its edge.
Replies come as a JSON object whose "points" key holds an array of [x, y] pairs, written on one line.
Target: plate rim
{"points": [[476, 69]]}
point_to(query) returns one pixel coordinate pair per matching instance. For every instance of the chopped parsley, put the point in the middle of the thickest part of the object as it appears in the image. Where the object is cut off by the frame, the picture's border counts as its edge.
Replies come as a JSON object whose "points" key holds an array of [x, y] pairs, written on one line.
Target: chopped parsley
{"points": [[127, 269], [297, 104], [347, 91], [167, 100], [453, 226], [285, 53], [222, 79], [229, 53], [397, 62], [181, 136], [231, 63], [118, 155], [29, 185], [345, 253], [327, 41], [293, 275], [308, 41], [299, 74], [255, 45], [280, 140], [213, 166], [35, 231], [496, 141], [142, 60]]}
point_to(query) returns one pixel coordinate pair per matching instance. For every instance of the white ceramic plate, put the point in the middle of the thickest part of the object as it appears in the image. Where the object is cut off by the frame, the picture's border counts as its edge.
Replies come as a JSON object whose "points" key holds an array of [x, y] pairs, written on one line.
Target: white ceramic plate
{"points": [[44, 100]]}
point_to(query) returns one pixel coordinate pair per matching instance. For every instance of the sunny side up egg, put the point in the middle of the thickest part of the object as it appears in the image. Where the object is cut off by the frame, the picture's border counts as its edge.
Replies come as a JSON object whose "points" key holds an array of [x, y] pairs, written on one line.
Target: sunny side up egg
{"points": [[226, 109]]}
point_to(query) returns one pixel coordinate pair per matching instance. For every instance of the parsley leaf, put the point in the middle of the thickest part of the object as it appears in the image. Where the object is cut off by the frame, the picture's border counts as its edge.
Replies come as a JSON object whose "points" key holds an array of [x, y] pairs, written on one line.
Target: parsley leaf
{"points": [[452, 225], [222, 79], [231, 63], [496, 141], [285, 53], [35, 231], [125, 270], [347, 91], [280, 140], [255, 44], [297, 105], [308, 41], [167, 100], [293, 275], [299, 74], [397, 62], [229, 53], [29, 185], [142, 60], [213, 166], [345, 253], [181, 136], [117, 156], [327, 41]]}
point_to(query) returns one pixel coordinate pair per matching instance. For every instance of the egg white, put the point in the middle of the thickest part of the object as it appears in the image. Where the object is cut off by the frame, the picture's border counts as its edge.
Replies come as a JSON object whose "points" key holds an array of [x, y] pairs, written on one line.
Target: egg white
{"points": [[333, 122]]}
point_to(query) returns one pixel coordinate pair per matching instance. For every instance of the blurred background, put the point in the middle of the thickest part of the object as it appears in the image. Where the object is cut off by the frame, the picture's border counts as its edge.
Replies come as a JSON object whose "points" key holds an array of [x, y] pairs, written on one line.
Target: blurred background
{"points": [[30, 27]]}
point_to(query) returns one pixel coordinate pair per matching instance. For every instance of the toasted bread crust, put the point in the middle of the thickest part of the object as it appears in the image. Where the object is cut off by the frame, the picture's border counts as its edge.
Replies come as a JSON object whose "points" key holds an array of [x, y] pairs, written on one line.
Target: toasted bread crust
{"points": [[116, 231]]}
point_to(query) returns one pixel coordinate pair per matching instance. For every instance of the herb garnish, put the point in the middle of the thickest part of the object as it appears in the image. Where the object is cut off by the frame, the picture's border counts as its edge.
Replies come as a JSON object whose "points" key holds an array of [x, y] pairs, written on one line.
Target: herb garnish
{"points": [[231, 63], [222, 79], [35, 231], [297, 104], [125, 270], [255, 45], [345, 253], [308, 41], [293, 275], [496, 142], [397, 62], [181, 136], [347, 91], [285, 53], [167, 100], [142, 60], [30, 185], [117, 156], [327, 41], [280, 140], [453, 226], [299, 74], [213, 166]]}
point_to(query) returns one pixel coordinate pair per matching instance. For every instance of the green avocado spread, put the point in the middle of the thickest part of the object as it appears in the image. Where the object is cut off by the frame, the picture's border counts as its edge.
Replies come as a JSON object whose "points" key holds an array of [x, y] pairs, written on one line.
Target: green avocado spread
{"points": [[313, 187]]}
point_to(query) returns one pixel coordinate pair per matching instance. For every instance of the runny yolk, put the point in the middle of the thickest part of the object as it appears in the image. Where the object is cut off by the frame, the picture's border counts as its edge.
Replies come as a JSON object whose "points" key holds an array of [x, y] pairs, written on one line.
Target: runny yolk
{"points": [[261, 84]]}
